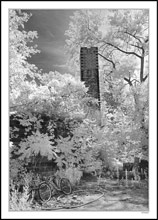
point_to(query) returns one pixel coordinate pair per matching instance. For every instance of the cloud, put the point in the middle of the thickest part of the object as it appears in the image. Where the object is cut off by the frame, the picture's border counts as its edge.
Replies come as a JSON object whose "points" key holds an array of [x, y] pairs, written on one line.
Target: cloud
{"points": [[52, 48], [60, 65], [50, 34]]}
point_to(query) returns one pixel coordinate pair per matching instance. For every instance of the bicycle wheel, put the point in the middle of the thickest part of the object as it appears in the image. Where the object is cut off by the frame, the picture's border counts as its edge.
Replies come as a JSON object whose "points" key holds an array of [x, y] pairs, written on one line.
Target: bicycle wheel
{"points": [[44, 192], [65, 186]]}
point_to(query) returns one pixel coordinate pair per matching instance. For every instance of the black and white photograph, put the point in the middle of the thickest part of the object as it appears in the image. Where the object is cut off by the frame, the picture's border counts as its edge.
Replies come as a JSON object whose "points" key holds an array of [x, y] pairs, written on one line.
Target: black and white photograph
{"points": [[78, 110]]}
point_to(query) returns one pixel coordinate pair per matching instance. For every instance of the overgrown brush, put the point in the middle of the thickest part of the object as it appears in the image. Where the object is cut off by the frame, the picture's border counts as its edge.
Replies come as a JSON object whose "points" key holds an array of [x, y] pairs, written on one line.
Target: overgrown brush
{"points": [[73, 174], [19, 201], [20, 198]]}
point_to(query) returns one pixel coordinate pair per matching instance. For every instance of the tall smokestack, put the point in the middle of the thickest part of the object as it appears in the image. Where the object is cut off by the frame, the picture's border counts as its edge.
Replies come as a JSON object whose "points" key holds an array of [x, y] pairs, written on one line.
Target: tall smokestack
{"points": [[90, 71]]}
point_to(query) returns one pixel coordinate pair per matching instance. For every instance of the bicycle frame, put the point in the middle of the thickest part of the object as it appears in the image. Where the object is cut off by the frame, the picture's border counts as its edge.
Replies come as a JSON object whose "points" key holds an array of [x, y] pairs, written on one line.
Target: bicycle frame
{"points": [[35, 187], [55, 185], [50, 186]]}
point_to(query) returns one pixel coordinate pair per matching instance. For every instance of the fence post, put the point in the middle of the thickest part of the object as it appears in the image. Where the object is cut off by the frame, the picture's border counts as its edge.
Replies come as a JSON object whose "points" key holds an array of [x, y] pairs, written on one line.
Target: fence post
{"points": [[117, 174], [126, 178], [135, 174]]}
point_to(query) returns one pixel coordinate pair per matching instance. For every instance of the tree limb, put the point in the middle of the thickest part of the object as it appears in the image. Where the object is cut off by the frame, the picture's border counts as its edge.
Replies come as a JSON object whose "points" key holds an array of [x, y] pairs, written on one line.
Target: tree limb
{"points": [[113, 64], [136, 46], [145, 78], [132, 35], [135, 80], [128, 80], [147, 39], [123, 51]]}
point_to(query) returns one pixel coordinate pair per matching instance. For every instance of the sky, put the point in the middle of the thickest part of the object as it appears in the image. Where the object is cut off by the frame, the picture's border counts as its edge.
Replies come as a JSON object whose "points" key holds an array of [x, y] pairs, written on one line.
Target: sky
{"points": [[50, 26]]}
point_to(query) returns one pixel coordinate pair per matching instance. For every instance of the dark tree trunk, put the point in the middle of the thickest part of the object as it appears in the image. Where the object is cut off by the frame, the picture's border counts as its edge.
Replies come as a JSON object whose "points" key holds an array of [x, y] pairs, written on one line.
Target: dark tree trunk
{"points": [[142, 67]]}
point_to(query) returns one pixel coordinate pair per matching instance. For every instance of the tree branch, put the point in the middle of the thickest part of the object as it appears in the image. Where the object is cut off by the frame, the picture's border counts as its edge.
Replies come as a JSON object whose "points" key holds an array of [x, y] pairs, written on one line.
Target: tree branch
{"points": [[128, 80], [113, 64], [116, 84], [123, 51], [147, 39], [108, 73], [136, 46], [132, 35], [135, 80], [145, 78]]}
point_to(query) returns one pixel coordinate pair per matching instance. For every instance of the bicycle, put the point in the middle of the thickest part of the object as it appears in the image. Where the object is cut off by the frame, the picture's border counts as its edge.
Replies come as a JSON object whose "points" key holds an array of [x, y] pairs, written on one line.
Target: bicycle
{"points": [[43, 190], [48, 187], [57, 183]]}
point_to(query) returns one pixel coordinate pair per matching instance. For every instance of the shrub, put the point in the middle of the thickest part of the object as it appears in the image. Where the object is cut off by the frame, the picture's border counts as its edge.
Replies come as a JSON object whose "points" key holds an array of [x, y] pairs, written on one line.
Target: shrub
{"points": [[74, 175], [19, 201], [19, 198]]}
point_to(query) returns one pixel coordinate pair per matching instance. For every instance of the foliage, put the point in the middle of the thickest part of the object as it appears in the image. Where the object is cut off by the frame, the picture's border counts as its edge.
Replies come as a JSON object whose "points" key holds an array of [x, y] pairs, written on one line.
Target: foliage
{"points": [[16, 169], [122, 39], [19, 201], [73, 174], [36, 144], [120, 35], [79, 151], [56, 118], [63, 99], [59, 95], [19, 50], [80, 33]]}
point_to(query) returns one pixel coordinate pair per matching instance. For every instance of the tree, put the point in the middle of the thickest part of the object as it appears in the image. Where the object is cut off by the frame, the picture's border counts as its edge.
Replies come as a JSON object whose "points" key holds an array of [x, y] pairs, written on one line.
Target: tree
{"points": [[79, 34], [122, 39], [128, 35], [59, 97], [121, 35], [19, 50]]}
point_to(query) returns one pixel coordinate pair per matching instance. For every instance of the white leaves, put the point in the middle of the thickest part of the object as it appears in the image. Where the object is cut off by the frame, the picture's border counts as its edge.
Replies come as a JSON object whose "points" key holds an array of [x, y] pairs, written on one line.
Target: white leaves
{"points": [[36, 144], [25, 122], [19, 68], [11, 144]]}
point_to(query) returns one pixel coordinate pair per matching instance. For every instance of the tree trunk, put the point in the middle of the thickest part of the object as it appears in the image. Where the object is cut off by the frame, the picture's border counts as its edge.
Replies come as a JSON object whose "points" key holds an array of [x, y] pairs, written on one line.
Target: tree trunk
{"points": [[142, 67]]}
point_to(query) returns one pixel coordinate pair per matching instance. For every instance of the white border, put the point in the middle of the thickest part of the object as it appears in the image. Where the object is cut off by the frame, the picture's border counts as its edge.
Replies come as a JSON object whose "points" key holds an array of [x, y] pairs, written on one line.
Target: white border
{"points": [[5, 121]]}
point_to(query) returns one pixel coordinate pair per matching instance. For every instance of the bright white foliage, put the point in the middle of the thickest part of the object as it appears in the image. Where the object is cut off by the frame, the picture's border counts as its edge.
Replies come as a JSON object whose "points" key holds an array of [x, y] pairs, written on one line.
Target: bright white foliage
{"points": [[19, 51], [37, 144], [125, 107]]}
